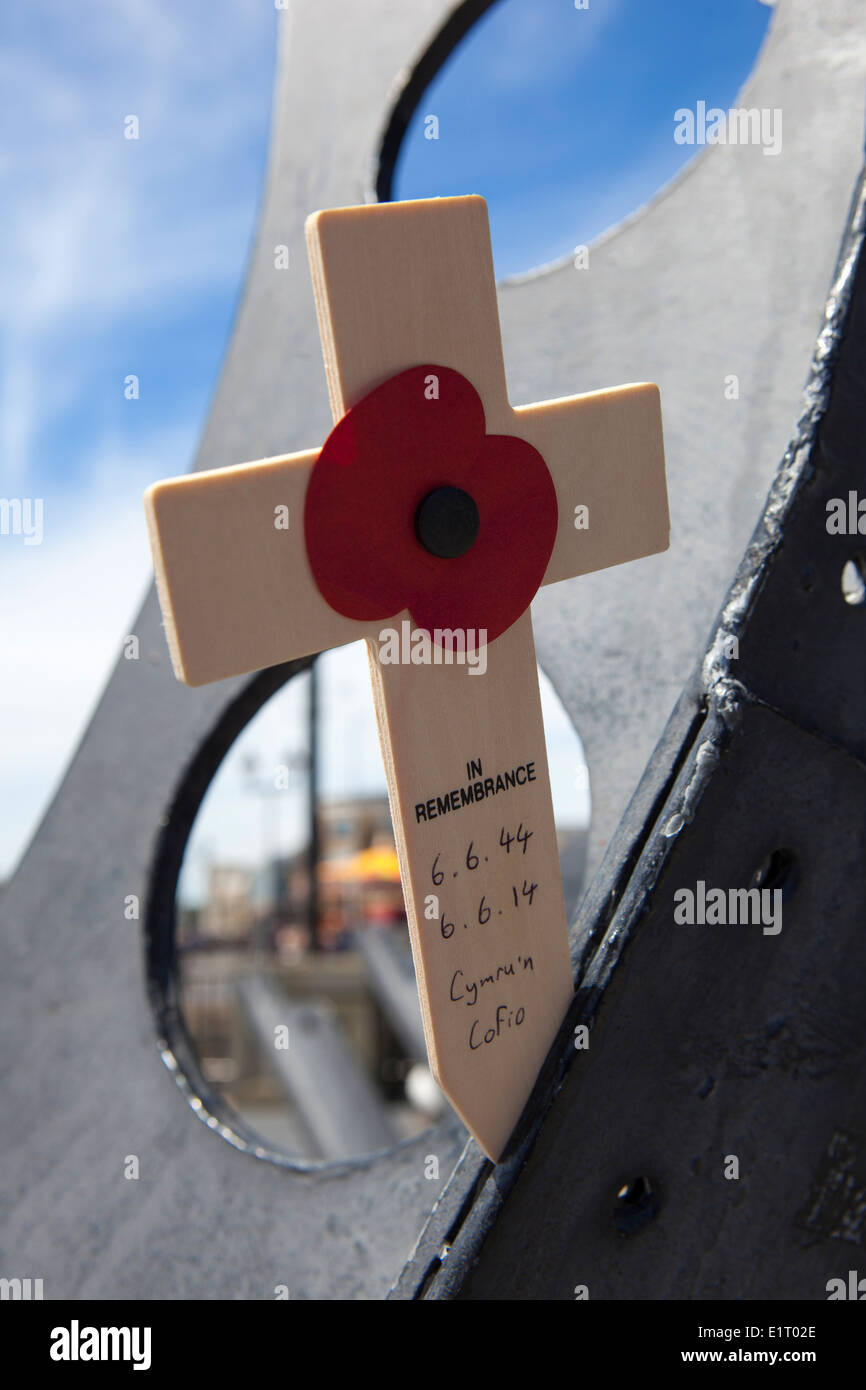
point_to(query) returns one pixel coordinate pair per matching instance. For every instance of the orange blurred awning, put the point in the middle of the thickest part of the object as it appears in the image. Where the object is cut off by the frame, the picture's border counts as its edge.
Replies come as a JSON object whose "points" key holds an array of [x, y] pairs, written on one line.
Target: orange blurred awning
{"points": [[378, 864]]}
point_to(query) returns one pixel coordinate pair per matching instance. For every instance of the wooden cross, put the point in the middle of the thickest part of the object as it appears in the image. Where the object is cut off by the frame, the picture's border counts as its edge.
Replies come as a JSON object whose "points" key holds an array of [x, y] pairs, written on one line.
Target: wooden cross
{"points": [[398, 285]]}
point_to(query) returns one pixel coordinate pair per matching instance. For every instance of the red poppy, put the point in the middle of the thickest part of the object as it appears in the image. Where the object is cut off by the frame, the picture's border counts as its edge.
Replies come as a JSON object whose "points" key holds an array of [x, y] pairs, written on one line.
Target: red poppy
{"points": [[403, 483]]}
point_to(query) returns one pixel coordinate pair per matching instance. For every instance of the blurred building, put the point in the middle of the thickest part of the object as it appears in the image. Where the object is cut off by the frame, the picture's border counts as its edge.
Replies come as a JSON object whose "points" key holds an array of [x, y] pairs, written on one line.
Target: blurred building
{"points": [[227, 914], [353, 824]]}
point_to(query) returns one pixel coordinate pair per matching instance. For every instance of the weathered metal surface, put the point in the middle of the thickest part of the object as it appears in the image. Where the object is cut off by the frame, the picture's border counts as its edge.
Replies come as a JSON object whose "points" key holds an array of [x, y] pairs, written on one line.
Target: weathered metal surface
{"points": [[724, 273], [713, 1041]]}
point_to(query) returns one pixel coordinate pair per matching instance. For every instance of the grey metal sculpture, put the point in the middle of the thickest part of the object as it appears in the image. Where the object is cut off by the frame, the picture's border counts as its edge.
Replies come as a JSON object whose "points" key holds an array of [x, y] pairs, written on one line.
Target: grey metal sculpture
{"points": [[716, 1049]]}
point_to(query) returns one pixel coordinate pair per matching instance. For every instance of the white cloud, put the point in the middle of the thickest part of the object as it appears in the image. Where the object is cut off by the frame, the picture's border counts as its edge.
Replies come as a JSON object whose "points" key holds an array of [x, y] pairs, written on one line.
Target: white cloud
{"points": [[65, 606], [101, 238], [98, 229], [511, 33]]}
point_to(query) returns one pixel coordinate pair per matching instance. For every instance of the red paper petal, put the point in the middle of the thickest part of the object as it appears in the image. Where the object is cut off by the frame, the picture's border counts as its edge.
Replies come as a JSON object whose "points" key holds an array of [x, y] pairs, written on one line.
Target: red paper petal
{"points": [[379, 462]]}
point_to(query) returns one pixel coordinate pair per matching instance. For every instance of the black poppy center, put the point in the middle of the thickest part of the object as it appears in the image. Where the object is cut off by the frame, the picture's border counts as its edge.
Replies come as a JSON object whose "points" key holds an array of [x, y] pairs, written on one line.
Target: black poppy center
{"points": [[446, 522]]}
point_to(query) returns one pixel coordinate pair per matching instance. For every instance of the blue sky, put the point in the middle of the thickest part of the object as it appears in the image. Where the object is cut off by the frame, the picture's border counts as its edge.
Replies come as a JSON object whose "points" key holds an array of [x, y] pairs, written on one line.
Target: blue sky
{"points": [[123, 257], [562, 118]]}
